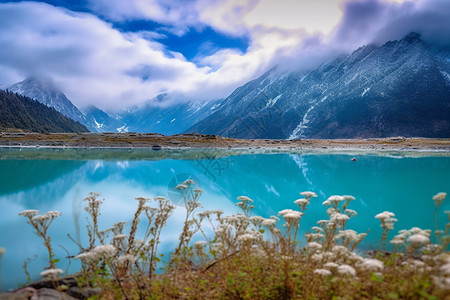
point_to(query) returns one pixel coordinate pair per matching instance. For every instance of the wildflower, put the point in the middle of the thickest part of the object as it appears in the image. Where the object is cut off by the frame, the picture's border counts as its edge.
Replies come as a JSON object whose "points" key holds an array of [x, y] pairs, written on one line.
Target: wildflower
{"points": [[285, 211], [29, 213], [126, 259], [333, 200], [188, 182], [244, 199], [317, 229], [322, 272], [442, 282], [257, 220], [246, 238], [350, 212], [2, 251], [317, 257], [40, 218], [445, 269], [120, 237], [53, 214], [142, 200], [85, 256], [292, 217], [331, 265], [314, 245], [302, 203], [181, 187], [346, 270], [269, 222], [160, 198], [105, 251], [384, 215], [51, 273], [200, 245], [418, 239], [308, 195], [438, 198], [372, 265]]}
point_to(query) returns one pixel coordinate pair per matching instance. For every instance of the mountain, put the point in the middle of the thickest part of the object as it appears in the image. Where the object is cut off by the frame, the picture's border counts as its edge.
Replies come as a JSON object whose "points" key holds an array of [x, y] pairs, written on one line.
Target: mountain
{"points": [[154, 116], [399, 88], [102, 121], [21, 112], [46, 92]]}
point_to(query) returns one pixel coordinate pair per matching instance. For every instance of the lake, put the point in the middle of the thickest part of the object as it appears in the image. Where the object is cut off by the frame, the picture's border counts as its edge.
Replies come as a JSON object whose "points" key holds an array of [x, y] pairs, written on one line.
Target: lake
{"points": [[59, 179]]}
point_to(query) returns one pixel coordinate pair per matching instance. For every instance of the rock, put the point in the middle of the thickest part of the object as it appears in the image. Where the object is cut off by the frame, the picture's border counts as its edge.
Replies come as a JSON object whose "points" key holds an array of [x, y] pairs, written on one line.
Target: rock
{"points": [[156, 147], [50, 294], [15, 296], [83, 293], [353, 159]]}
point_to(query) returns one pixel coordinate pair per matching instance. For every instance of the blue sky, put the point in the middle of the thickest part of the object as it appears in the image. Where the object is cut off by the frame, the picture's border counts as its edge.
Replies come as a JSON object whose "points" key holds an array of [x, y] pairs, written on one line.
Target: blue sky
{"points": [[115, 53]]}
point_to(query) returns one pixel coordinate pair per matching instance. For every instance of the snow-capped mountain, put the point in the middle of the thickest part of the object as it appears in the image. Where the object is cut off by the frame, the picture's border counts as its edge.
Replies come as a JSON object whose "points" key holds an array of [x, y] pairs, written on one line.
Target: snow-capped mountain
{"points": [[46, 92], [154, 116], [399, 88], [101, 121]]}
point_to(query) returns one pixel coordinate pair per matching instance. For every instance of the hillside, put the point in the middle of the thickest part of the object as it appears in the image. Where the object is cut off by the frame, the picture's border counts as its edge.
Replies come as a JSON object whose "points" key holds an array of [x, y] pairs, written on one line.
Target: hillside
{"points": [[20, 112]]}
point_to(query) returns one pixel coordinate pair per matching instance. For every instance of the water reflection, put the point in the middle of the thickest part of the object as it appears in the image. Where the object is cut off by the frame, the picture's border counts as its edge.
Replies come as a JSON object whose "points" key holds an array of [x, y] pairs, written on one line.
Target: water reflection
{"points": [[403, 186]]}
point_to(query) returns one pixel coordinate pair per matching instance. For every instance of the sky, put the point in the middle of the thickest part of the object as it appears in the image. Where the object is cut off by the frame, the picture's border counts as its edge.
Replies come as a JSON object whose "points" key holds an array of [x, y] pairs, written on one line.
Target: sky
{"points": [[116, 54]]}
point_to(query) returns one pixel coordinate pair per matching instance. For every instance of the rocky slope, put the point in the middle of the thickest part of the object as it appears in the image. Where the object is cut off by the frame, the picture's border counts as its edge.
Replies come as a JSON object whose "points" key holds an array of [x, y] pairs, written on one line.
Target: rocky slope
{"points": [[399, 88]]}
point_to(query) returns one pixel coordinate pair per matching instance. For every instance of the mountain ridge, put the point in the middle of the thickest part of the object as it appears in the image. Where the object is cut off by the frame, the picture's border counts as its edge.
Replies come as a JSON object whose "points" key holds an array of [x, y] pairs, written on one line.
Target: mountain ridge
{"points": [[359, 95]]}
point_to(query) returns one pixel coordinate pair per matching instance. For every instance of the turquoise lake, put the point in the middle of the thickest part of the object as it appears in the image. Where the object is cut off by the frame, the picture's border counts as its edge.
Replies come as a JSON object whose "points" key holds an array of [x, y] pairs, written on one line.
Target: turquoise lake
{"points": [[59, 179]]}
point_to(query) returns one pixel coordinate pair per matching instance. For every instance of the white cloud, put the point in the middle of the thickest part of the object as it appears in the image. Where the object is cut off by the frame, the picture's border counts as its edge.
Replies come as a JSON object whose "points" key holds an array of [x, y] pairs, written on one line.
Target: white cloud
{"points": [[97, 64]]}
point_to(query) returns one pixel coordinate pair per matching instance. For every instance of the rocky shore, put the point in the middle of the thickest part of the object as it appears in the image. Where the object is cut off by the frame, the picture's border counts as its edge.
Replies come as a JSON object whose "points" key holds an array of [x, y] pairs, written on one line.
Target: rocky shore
{"points": [[181, 141]]}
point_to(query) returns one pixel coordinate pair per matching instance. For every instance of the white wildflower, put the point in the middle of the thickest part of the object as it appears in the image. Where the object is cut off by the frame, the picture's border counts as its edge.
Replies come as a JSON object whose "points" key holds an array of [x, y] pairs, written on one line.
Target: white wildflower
{"points": [[302, 203], [442, 282], [322, 272], [308, 194], [372, 265], [200, 245], [29, 213], [331, 265], [346, 270], [269, 222], [246, 238], [51, 273], [438, 198], [333, 200], [445, 269], [244, 199], [120, 237], [292, 217], [41, 218], [53, 214], [105, 251], [418, 239], [314, 245], [126, 259], [384, 215]]}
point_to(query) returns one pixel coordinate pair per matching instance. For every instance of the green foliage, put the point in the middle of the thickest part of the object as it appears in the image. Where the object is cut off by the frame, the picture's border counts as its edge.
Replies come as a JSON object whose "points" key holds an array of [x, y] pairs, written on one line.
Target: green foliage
{"points": [[24, 113]]}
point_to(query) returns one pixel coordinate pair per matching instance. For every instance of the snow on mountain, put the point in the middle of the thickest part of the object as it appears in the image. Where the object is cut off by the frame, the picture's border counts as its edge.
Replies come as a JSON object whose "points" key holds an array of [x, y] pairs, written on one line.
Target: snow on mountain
{"points": [[46, 92], [399, 88]]}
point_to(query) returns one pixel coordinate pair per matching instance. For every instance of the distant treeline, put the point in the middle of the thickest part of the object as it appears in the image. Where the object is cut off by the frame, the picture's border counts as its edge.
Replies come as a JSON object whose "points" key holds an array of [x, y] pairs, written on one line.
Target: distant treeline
{"points": [[20, 112]]}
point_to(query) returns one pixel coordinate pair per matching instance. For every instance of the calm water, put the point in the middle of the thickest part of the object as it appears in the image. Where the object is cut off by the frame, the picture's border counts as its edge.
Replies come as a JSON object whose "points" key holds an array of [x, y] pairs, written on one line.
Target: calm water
{"points": [[59, 180]]}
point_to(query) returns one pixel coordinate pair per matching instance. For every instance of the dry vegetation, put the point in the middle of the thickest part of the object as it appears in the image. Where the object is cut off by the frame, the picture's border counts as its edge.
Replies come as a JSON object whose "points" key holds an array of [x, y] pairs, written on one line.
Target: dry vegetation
{"points": [[251, 257]]}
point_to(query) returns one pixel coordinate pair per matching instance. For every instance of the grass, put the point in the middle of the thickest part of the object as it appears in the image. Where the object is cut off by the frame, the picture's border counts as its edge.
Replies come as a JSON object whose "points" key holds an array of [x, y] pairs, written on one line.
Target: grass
{"points": [[250, 257]]}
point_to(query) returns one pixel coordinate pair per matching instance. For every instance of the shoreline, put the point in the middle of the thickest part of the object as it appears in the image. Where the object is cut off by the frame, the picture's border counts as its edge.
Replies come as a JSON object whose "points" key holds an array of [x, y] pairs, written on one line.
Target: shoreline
{"points": [[201, 141]]}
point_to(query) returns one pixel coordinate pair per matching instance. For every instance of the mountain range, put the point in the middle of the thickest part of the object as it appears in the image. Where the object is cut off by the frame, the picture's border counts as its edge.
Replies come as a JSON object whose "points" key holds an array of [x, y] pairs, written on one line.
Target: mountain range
{"points": [[399, 88]]}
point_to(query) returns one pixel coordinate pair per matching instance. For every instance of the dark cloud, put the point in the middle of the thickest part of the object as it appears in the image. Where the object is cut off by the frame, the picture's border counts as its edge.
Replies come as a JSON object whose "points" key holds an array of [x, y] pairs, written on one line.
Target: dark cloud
{"points": [[380, 21]]}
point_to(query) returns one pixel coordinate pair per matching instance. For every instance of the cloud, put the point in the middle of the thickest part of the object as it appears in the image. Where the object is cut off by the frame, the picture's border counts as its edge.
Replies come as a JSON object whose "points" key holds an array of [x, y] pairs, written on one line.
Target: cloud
{"points": [[95, 63]]}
